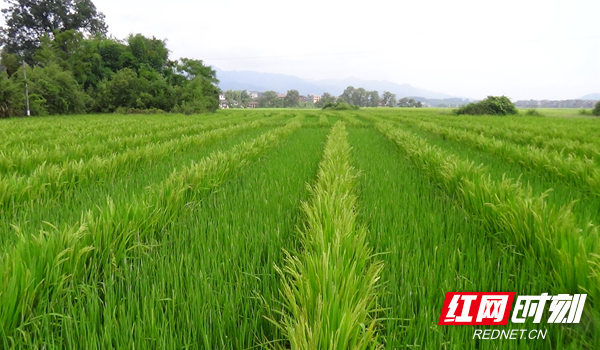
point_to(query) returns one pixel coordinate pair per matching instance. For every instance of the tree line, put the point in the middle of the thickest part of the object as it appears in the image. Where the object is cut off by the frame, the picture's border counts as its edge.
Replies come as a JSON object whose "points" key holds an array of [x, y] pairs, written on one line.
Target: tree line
{"points": [[351, 96], [61, 53]]}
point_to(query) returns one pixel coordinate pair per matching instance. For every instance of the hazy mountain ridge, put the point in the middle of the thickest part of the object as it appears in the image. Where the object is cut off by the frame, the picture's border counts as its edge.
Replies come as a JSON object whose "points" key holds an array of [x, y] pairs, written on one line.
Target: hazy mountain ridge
{"points": [[594, 96], [257, 81]]}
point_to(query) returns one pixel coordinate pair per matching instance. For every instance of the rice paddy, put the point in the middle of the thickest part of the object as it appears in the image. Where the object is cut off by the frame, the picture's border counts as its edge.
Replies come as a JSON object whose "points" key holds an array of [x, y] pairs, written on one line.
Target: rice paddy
{"points": [[292, 229]]}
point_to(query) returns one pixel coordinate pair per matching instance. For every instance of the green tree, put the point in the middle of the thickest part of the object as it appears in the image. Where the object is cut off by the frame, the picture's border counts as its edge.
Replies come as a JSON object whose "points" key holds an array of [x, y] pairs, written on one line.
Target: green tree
{"points": [[348, 95], [52, 90], [28, 20], [152, 52], [326, 98], [403, 102], [10, 62], [373, 99], [359, 98], [121, 90], [291, 99], [596, 110], [67, 49], [237, 98], [11, 97], [389, 99], [268, 100]]}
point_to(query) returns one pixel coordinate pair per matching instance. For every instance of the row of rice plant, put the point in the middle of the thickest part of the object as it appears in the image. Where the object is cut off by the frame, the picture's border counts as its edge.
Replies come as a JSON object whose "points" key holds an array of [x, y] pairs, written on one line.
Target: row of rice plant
{"points": [[197, 284], [63, 130], [52, 181], [323, 121], [513, 215], [330, 287], [41, 271], [350, 119], [554, 165], [431, 246], [523, 137], [23, 160], [583, 129]]}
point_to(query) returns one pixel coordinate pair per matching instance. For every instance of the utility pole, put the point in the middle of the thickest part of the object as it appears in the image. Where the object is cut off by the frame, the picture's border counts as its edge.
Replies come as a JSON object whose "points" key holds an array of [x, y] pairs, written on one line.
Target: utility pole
{"points": [[26, 90]]}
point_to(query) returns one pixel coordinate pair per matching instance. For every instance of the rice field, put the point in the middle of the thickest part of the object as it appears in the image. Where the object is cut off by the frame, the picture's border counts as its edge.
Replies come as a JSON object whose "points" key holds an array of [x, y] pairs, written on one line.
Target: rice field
{"points": [[292, 229]]}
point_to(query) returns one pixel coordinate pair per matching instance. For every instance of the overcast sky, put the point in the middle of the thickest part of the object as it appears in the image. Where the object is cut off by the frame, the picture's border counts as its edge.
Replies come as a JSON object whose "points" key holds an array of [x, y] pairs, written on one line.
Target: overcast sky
{"points": [[473, 48]]}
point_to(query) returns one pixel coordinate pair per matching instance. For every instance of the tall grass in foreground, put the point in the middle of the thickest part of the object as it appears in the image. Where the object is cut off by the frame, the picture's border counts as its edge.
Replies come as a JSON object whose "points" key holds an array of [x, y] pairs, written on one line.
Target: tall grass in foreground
{"points": [[509, 211], [40, 272], [330, 288]]}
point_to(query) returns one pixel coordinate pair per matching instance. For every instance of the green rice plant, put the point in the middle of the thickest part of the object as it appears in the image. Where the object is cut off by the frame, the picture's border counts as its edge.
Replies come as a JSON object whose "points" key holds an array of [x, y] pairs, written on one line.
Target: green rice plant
{"points": [[524, 137], [323, 121], [511, 213], [26, 159], [579, 129], [350, 119], [547, 163], [52, 182], [330, 288], [35, 285], [430, 246]]}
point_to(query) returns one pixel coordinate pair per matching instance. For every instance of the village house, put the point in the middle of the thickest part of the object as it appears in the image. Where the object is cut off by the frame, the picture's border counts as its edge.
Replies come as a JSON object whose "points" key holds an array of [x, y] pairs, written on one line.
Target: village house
{"points": [[313, 98], [223, 102]]}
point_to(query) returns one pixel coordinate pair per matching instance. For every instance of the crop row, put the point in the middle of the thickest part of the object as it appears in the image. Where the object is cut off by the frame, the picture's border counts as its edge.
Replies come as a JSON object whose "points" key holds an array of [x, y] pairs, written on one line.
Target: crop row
{"points": [[549, 128], [330, 288], [67, 137], [511, 213], [23, 160], [40, 272], [62, 132], [551, 164], [51, 181], [534, 138]]}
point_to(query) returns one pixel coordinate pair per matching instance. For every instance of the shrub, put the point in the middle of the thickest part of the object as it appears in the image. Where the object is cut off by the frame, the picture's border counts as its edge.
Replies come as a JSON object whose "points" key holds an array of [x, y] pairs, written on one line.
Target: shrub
{"points": [[492, 105], [596, 110], [534, 113], [340, 106], [584, 111]]}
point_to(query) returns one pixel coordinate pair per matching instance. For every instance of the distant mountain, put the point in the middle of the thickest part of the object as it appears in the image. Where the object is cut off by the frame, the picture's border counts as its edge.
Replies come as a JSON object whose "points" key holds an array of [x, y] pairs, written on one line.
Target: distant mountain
{"points": [[257, 81], [595, 96]]}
